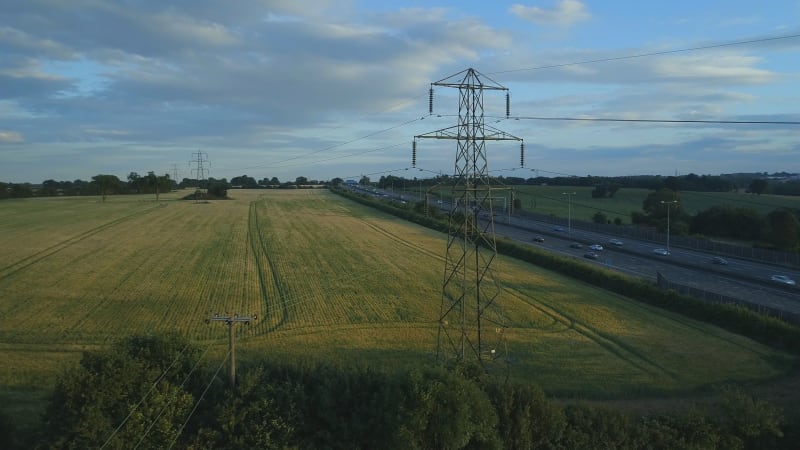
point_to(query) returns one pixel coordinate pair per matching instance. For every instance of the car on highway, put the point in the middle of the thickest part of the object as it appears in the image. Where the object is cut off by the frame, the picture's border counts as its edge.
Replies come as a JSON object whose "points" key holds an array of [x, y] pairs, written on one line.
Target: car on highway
{"points": [[719, 260], [782, 279], [538, 239], [558, 229], [575, 245], [596, 247], [661, 251], [591, 255], [616, 242]]}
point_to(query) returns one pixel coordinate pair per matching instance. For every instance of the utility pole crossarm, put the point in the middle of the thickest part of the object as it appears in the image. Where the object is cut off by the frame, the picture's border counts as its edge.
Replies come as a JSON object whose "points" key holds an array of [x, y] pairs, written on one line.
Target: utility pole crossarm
{"points": [[470, 78], [444, 133], [493, 134], [453, 132], [230, 321]]}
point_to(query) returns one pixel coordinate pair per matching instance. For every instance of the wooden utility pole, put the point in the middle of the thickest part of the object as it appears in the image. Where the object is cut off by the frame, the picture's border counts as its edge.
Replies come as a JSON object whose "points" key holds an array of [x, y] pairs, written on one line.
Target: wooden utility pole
{"points": [[230, 321]]}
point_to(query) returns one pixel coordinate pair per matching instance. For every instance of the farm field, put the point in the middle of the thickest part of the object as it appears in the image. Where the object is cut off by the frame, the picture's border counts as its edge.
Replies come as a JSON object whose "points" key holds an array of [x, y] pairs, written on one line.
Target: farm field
{"points": [[330, 280], [550, 200]]}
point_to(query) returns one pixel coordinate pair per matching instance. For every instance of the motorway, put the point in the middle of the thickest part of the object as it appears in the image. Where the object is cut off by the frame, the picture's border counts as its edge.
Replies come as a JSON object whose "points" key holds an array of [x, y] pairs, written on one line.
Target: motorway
{"points": [[741, 279]]}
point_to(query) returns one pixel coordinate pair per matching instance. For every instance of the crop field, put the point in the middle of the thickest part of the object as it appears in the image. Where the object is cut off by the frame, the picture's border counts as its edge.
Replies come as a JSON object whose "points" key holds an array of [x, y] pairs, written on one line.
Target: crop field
{"points": [[329, 280], [551, 200]]}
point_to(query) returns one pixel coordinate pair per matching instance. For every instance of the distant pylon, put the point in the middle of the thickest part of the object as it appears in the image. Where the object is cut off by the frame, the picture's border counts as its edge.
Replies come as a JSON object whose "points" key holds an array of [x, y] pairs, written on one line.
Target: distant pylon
{"points": [[175, 174], [471, 323], [199, 158]]}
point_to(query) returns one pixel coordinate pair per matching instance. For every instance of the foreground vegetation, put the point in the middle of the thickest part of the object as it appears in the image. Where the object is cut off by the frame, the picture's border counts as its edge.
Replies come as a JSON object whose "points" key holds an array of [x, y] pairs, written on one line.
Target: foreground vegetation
{"points": [[330, 281], [155, 392]]}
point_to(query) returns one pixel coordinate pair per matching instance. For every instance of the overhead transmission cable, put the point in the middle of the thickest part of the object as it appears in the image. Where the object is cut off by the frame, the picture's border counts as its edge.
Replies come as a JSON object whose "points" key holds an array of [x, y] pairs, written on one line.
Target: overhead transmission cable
{"points": [[657, 53], [551, 66], [180, 430], [347, 156], [147, 394], [330, 147], [608, 119], [169, 402]]}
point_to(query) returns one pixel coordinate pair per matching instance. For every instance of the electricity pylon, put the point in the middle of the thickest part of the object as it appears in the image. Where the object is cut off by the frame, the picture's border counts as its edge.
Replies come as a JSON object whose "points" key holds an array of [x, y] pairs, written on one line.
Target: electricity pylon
{"points": [[471, 323], [200, 158]]}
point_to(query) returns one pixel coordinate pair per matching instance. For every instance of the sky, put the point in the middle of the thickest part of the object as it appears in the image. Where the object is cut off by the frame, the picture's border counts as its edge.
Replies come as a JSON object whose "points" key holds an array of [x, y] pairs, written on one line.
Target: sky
{"points": [[338, 89]]}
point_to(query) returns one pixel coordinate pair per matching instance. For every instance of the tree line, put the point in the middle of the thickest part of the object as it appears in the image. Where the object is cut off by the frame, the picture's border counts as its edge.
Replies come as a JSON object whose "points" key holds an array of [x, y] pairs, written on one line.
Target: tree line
{"points": [[779, 228], [156, 392], [101, 184], [758, 183], [151, 183], [779, 183]]}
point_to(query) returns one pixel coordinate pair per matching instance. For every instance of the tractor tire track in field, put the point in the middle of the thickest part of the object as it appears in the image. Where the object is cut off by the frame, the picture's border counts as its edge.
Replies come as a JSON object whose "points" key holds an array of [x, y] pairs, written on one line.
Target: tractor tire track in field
{"points": [[28, 261], [264, 263], [606, 341], [400, 240]]}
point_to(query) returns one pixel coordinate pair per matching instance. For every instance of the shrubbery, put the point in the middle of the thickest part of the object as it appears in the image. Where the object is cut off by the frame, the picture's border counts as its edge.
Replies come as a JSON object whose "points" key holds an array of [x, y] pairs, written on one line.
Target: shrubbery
{"points": [[151, 392]]}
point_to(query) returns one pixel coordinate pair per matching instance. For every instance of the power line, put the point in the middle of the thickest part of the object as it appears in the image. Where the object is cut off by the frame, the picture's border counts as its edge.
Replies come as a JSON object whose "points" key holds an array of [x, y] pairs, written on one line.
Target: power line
{"points": [[147, 394], [230, 321], [642, 55], [561, 174], [347, 156], [330, 147], [169, 402], [376, 173], [605, 119], [594, 119], [180, 430]]}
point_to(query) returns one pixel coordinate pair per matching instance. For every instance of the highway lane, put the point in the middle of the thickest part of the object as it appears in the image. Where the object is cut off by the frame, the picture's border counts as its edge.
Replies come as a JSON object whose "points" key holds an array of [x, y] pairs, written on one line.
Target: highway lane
{"points": [[682, 266], [741, 269], [741, 279]]}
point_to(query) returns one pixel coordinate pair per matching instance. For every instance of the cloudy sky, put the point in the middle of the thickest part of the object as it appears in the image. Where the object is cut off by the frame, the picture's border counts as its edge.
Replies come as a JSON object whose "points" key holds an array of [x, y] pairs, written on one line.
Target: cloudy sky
{"points": [[324, 89]]}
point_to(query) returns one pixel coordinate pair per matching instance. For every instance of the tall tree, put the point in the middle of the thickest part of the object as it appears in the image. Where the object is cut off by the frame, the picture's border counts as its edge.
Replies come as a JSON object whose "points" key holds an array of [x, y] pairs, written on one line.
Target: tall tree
{"points": [[152, 182], [758, 186], [106, 184], [158, 183], [654, 207], [784, 229], [135, 182], [133, 393]]}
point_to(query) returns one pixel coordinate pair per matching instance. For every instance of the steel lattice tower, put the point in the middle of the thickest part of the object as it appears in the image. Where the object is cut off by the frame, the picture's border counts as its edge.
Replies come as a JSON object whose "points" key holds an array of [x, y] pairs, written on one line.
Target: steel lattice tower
{"points": [[200, 158], [471, 324]]}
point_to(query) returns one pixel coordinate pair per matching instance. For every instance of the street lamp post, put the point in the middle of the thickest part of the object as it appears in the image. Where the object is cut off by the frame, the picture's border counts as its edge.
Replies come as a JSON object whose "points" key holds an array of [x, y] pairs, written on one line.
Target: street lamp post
{"points": [[569, 211], [669, 204]]}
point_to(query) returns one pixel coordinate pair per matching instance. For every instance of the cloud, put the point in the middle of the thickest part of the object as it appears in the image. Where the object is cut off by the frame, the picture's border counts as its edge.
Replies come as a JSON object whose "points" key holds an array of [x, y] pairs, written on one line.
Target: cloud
{"points": [[274, 87], [721, 68], [565, 13], [13, 41], [10, 137]]}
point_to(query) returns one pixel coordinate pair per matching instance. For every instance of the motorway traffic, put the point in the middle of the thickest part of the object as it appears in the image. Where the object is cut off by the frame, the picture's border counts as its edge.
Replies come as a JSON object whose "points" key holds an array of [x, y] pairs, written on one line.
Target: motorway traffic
{"points": [[746, 280], [738, 278]]}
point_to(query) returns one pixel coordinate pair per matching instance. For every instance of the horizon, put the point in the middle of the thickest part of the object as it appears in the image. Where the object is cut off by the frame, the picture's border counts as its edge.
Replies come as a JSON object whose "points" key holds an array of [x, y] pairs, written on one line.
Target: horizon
{"points": [[781, 174]]}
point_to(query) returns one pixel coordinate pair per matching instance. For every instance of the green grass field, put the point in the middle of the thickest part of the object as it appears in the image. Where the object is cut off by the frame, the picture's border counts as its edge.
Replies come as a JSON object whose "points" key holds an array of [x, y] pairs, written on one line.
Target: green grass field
{"points": [[329, 280], [551, 200]]}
